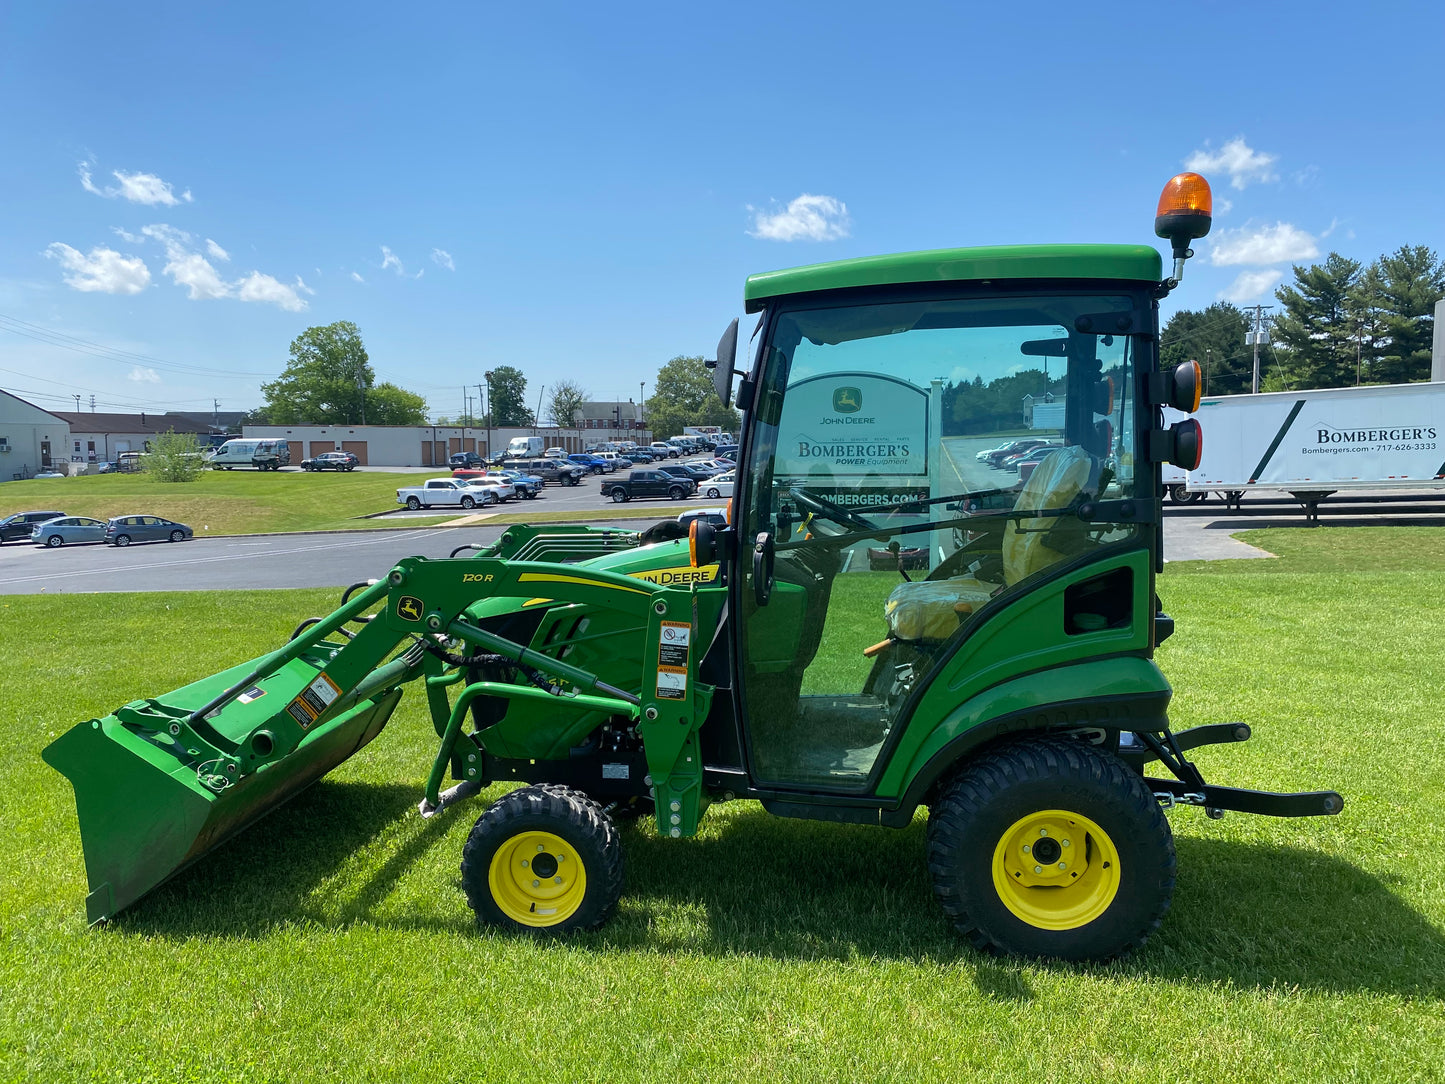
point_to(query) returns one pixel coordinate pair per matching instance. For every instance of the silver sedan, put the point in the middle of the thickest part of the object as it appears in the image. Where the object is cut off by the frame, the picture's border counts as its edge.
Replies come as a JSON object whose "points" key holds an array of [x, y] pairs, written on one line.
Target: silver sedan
{"points": [[68, 530]]}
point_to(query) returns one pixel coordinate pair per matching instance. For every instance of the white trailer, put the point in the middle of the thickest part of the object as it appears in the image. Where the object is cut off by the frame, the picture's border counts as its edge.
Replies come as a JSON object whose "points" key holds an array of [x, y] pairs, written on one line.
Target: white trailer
{"points": [[1314, 443]]}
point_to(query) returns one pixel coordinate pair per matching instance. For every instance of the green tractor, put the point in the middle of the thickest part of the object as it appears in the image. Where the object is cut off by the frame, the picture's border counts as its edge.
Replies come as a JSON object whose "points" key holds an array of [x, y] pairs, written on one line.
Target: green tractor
{"points": [[936, 588]]}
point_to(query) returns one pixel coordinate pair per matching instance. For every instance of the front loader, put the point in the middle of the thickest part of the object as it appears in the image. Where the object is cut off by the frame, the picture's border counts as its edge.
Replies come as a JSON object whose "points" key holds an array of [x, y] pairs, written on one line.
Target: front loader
{"points": [[1008, 684]]}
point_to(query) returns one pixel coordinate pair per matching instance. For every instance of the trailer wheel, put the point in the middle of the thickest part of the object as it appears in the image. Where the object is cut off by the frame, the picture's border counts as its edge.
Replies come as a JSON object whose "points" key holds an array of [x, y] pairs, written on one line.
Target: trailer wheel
{"points": [[1051, 848], [1180, 495], [543, 860]]}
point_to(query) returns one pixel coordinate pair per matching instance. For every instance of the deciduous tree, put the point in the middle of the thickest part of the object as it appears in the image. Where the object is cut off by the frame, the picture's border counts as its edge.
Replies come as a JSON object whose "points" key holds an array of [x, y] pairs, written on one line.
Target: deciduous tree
{"points": [[565, 400], [329, 381], [683, 395], [507, 388]]}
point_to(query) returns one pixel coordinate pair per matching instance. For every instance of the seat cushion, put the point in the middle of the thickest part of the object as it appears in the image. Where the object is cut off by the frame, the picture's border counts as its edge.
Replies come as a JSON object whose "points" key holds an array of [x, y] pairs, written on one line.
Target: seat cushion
{"points": [[930, 609]]}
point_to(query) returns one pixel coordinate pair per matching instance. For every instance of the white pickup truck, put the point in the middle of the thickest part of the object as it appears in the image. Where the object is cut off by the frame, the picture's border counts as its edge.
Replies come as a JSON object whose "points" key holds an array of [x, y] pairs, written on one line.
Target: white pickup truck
{"points": [[445, 492]]}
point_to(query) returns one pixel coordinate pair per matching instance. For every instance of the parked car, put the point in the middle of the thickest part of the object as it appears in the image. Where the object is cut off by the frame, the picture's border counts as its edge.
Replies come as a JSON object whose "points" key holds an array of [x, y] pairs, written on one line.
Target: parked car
{"points": [[331, 461], [501, 483], [558, 471], [718, 517], [21, 523], [648, 483], [726, 451], [465, 459], [493, 491], [717, 466], [68, 530], [441, 493], [594, 464], [1032, 455], [528, 485], [720, 485], [123, 530], [996, 456], [555, 453], [688, 470], [659, 450]]}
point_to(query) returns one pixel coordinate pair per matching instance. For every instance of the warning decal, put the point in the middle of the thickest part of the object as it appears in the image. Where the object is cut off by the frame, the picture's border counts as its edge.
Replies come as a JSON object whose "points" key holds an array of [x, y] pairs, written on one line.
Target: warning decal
{"points": [[320, 693], [674, 637]]}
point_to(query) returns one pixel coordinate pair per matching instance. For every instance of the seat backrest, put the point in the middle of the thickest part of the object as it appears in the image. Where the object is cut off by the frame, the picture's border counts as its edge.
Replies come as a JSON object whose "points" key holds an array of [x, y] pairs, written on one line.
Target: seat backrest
{"points": [[1055, 482]]}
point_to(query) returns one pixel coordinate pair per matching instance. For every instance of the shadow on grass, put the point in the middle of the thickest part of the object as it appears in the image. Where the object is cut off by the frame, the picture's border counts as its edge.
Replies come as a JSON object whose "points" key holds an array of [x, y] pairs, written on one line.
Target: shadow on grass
{"points": [[1252, 915]]}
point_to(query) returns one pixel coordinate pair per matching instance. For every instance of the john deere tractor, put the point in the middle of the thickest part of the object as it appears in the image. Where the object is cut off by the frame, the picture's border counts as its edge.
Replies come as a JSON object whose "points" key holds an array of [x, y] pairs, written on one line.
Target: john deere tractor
{"points": [[936, 588]]}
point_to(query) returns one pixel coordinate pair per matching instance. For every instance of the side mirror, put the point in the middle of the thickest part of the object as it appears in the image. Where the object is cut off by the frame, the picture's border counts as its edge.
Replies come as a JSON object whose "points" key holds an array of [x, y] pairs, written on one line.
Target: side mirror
{"points": [[722, 365]]}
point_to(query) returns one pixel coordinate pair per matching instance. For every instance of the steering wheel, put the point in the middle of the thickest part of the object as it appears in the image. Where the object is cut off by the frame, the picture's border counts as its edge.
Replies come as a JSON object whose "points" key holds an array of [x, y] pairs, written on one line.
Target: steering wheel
{"points": [[828, 510]]}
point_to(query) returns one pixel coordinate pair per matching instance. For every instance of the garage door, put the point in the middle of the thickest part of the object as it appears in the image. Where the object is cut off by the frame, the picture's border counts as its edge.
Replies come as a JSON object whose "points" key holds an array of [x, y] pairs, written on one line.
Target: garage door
{"points": [[296, 453], [319, 446], [356, 448]]}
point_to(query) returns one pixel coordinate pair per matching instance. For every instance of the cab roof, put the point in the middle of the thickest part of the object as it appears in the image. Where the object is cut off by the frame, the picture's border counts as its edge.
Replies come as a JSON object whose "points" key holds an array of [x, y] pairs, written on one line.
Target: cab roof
{"points": [[1128, 262]]}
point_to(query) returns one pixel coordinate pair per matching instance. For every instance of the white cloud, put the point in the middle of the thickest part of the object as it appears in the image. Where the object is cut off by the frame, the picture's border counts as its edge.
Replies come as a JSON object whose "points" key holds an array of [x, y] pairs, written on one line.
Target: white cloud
{"points": [[143, 376], [259, 287], [1224, 206], [388, 259], [1251, 286], [104, 270], [1280, 243], [190, 269], [216, 250], [126, 235], [185, 267], [300, 285], [144, 188], [356, 278], [1243, 164], [807, 218], [442, 258]]}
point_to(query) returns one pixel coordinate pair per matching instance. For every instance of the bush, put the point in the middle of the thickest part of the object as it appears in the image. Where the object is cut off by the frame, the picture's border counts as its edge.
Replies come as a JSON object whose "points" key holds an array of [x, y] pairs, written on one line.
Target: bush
{"points": [[175, 457]]}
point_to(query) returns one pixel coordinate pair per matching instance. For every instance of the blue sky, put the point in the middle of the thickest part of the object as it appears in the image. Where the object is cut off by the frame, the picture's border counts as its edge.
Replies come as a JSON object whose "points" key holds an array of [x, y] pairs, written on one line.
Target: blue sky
{"points": [[580, 190]]}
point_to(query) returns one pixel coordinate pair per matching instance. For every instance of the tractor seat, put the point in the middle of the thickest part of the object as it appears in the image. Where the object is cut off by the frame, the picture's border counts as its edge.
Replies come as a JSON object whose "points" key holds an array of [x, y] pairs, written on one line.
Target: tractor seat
{"points": [[933, 609]]}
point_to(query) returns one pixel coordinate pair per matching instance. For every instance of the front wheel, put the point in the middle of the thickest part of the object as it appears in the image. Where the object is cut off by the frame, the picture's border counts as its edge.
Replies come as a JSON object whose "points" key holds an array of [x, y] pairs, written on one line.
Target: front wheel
{"points": [[178, 536], [413, 503], [467, 502], [543, 860], [122, 540], [619, 495], [1051, 848]]}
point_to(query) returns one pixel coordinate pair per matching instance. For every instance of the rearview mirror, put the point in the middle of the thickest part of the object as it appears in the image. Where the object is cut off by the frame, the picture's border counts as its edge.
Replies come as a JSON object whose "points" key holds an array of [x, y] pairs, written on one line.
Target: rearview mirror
{"points": [[722, 365]]}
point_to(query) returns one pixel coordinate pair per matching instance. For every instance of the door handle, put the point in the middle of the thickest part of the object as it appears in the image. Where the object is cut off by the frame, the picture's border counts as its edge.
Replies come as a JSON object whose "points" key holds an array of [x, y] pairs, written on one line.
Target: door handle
{"points": [[763, 568]]}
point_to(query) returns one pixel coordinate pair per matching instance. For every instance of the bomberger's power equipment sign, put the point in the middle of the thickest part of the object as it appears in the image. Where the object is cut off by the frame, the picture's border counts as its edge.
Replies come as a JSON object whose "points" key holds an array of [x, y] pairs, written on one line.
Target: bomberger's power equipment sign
{"points": [[860, 437]]}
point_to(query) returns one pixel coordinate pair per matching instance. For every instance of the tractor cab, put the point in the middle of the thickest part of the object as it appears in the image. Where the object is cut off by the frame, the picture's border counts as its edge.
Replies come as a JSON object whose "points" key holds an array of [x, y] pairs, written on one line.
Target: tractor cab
{"points": [[882, 546]]}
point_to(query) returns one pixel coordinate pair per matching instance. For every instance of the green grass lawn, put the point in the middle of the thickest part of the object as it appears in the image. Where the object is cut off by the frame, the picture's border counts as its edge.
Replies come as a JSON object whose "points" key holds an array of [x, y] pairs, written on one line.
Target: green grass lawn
{"points": [[224, 502], [331, 941]]}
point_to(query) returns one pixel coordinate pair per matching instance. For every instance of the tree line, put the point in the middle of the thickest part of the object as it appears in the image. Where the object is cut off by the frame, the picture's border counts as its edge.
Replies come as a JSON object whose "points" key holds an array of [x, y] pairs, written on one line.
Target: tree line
{"points": [[1340, 323]]}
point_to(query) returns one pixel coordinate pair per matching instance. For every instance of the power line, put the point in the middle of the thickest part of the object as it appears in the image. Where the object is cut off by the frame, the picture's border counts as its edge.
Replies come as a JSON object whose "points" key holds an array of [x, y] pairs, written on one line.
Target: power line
{"points": [[60, 339]]}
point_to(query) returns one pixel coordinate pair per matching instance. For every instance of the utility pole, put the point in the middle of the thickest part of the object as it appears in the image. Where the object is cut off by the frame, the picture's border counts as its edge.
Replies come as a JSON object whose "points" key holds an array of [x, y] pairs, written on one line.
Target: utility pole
{"points": [[361, 394], [92, 402], [215, 413], [1257, 336], [77, 401], [487, 409]]}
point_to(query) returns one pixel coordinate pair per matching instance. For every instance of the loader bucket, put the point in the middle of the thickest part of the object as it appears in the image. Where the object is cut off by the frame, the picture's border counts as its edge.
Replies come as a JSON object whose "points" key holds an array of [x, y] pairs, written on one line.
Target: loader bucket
{"points": [[145, 808]]}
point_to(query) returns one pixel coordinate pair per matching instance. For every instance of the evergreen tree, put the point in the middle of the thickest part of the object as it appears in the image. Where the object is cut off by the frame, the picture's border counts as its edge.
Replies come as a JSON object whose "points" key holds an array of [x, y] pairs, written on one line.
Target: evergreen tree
{"points": [[1215, 339], [1316, 334], [1410, 282]]}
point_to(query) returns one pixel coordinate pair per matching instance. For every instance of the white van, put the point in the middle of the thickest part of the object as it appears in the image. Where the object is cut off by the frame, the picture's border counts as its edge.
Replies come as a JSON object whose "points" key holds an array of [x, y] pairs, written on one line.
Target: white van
{"points": [[261, 454]]}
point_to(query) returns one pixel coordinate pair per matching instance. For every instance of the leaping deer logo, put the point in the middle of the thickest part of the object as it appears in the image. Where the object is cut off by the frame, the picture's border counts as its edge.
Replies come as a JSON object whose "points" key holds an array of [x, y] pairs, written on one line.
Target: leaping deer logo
{"points": [[409, 608], [847, 400]]}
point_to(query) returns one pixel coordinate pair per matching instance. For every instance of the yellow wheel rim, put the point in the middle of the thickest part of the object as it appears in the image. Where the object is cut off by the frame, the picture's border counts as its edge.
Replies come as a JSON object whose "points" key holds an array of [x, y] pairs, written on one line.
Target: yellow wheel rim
{"points": [[1056, 870], [537, 879]]}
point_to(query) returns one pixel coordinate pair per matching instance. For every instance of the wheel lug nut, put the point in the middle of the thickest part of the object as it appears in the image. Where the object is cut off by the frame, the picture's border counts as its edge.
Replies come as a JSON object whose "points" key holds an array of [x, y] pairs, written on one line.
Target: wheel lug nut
{"points": [[536, 884], [1063, 865], [1065, 842], [1038, 869], [558, 880], [524, 863], [1043, 831], [540, 848], [1026, 848]]}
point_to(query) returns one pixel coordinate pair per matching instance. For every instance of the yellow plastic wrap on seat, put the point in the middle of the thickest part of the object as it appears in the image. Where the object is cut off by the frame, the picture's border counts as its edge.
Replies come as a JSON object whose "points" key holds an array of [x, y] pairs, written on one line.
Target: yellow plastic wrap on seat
{"points": [[927, 609]]}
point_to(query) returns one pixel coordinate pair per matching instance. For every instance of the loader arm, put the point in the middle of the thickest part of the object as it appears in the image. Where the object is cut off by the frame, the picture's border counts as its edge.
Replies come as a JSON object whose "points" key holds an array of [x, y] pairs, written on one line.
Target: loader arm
{"points": [[161, 782]]}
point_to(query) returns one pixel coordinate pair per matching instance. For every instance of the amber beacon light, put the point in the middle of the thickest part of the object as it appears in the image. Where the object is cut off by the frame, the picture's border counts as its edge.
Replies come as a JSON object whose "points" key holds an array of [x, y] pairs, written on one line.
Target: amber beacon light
{"points": [[1185, 212]]}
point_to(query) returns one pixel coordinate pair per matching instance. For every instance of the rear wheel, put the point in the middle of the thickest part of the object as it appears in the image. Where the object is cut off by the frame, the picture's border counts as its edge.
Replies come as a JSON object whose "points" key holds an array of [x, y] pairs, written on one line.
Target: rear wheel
{"points": [[677, 493], [178, 536], [1051, 849], [122, 540], [713, 493], [413, 503], [619, 495], [543, 860], [55, 541]]}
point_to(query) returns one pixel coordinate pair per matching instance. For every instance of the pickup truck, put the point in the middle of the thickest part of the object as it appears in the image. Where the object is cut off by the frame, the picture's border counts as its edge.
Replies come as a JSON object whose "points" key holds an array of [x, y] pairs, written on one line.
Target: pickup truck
{"points": [[550, 470], [443, 492], [649, 483]]}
